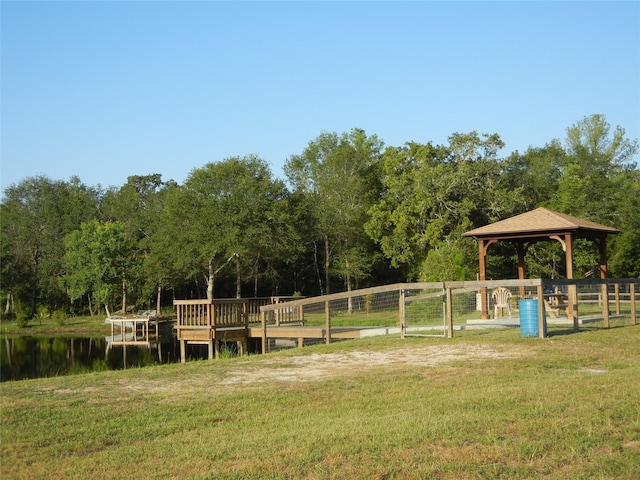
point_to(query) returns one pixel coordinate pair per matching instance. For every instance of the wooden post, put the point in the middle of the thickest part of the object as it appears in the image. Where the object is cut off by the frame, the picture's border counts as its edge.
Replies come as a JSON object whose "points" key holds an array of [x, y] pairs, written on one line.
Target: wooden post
{"points": [[542, 318], [602, 246], [327, 315], [263, 322], [449, 311], [632, 300], [605, 304], [482, 253], [401, 313], [183, 351], [522, 251], [572, 308], [616, 296]]}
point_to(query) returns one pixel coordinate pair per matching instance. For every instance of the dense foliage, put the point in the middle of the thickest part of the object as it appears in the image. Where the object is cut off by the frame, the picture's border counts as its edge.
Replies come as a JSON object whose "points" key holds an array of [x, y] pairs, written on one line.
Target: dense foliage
{"points": [[353, 214]]}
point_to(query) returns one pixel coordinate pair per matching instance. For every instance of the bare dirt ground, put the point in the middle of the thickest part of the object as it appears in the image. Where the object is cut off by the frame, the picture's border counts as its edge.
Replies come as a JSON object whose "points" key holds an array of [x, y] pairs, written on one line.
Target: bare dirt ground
{"points": [[290, 369], [325, 366]]}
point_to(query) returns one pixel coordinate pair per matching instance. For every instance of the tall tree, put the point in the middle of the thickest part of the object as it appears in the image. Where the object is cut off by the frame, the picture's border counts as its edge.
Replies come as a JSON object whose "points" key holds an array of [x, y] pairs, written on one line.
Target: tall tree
{"points": [[535, 174], [599, 183], [97, 257], [36, 215], [137, 204], [226, 213], [432, 194], [597, 160], [338, 173]]}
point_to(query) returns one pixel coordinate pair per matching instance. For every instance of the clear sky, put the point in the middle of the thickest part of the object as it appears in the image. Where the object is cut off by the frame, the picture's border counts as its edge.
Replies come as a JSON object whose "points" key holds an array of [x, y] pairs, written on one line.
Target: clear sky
{"points": [[104, 90]]}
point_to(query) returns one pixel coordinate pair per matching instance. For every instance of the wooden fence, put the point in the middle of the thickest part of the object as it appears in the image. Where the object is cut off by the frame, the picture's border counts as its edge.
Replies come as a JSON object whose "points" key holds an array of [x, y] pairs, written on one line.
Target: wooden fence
{"points": [[210, 322]]}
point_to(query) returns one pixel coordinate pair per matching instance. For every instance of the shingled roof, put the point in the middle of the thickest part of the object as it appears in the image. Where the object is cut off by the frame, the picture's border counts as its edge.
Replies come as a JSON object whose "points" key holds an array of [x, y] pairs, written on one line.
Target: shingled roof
{"points": [[540, 221]]}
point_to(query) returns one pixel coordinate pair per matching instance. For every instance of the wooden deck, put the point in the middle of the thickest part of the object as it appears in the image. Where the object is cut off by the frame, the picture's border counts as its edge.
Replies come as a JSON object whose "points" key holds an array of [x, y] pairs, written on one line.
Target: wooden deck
{"points": [[205, 322], [136, 330]]}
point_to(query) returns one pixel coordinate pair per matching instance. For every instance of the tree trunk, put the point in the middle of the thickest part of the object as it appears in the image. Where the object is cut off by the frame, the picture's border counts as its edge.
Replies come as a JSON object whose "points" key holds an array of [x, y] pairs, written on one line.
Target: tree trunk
{"points": [[326, 264], [238, 281], [158, 299], [315, 264], [350, 300], [10, 306], [34, 290], [210, 281], [124, 296]]}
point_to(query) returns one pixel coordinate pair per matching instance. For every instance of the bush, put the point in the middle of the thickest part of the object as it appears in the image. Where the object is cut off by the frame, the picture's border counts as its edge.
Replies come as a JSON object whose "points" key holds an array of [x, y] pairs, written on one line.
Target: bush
{"points": [[59, 317], [21, 320]]}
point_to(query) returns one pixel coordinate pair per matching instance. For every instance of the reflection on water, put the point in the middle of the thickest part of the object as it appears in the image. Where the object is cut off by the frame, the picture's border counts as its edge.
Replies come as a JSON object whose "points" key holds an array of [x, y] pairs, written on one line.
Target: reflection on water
{"points": [[33, 357]]}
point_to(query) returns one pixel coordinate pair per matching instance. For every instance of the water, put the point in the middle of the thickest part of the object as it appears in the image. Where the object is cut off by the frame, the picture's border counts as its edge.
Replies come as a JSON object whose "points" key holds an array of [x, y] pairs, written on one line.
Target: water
{"points": [[34, 357]]}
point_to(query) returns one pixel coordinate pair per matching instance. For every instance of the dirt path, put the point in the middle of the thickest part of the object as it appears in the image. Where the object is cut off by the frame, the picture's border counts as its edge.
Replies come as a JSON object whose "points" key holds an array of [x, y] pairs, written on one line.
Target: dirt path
{"points": [[324, 366]]}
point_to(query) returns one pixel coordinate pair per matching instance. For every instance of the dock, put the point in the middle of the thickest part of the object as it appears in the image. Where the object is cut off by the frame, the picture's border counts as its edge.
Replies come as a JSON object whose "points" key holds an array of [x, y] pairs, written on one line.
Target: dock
{"points": [[210, 322]]}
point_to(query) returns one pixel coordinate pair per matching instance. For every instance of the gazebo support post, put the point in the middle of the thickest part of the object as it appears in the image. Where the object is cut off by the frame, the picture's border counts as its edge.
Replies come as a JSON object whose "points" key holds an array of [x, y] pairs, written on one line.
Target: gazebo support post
{"points": [[483, 245], [521, 249], [602, 245], [572, 310]]}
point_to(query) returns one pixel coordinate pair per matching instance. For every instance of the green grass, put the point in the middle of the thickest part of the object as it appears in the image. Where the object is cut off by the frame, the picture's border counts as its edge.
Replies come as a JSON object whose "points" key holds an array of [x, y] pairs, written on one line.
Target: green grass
{"points": [[558, 408], [356, 318], [49, 326]]}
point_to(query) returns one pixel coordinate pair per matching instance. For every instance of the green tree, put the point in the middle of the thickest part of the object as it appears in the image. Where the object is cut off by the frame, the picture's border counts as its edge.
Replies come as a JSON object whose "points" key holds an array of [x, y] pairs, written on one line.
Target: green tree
{"points": [[432, 194], [338, 173], [97, 262], [36, 215], [599, 182], [138, 204], [230, 212], [592, 181], [535, 175]]}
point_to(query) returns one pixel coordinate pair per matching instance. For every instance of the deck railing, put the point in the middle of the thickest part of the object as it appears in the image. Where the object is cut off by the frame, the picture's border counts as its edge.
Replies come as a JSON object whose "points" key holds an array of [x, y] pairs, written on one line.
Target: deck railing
{"points": [[218, 313]]}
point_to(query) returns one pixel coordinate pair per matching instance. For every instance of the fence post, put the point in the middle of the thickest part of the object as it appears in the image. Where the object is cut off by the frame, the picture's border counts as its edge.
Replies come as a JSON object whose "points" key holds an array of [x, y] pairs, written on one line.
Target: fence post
{"points": [[632, 299], [263, 324], [327, 315], [542, 317], [572, 290], [401, 313], [449, 308], [605, 304]]}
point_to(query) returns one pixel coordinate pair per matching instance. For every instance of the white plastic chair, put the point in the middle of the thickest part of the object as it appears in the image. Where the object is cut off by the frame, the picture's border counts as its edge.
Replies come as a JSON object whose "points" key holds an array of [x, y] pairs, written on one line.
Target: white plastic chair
{"points": [[501, 298]]}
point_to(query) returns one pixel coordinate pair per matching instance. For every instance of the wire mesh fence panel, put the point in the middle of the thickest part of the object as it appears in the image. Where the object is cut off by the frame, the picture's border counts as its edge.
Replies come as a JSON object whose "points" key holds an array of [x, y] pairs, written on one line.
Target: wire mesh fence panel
{"points": [[437, 309], [596, 303], [425, 312], [465, 305], [369, 310]]}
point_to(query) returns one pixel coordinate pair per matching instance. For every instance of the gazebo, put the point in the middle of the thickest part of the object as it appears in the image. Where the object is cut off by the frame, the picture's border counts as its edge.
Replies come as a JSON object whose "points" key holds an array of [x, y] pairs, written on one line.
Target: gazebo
{"points": [[535, 226]]}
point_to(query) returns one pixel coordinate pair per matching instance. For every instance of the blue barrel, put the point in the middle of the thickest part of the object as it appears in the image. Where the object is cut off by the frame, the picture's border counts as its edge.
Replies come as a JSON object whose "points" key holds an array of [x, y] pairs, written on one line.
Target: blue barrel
{"points": [[529, 317]]}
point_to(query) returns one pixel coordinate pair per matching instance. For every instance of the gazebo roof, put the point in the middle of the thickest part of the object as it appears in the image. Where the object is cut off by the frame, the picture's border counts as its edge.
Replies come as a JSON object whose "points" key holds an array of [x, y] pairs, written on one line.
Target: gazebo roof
{"points": [[540, 222]]}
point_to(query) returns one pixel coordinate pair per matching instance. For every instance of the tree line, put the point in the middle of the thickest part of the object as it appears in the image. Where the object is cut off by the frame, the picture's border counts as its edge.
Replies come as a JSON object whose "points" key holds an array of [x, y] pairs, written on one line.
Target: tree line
{"points": [[351, 213]]}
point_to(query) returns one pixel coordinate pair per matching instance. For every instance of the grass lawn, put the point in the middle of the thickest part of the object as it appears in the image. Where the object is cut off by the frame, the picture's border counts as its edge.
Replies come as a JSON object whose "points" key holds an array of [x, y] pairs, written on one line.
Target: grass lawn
{"points": [[79, 326], [485, 404]]}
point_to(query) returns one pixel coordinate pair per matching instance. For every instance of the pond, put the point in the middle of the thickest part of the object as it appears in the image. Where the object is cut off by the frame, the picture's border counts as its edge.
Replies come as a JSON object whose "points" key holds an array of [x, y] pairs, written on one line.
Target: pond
{"points": [[24, 357]]}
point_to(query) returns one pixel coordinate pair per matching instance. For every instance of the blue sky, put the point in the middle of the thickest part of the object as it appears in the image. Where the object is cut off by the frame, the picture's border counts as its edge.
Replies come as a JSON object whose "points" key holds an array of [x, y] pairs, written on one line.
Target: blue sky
{"points": [[104, 90]]}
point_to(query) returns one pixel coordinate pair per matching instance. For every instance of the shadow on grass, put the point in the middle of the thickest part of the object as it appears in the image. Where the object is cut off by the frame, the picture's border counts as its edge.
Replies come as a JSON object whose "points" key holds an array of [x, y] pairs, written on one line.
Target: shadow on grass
{"points": [[582, 329]]}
